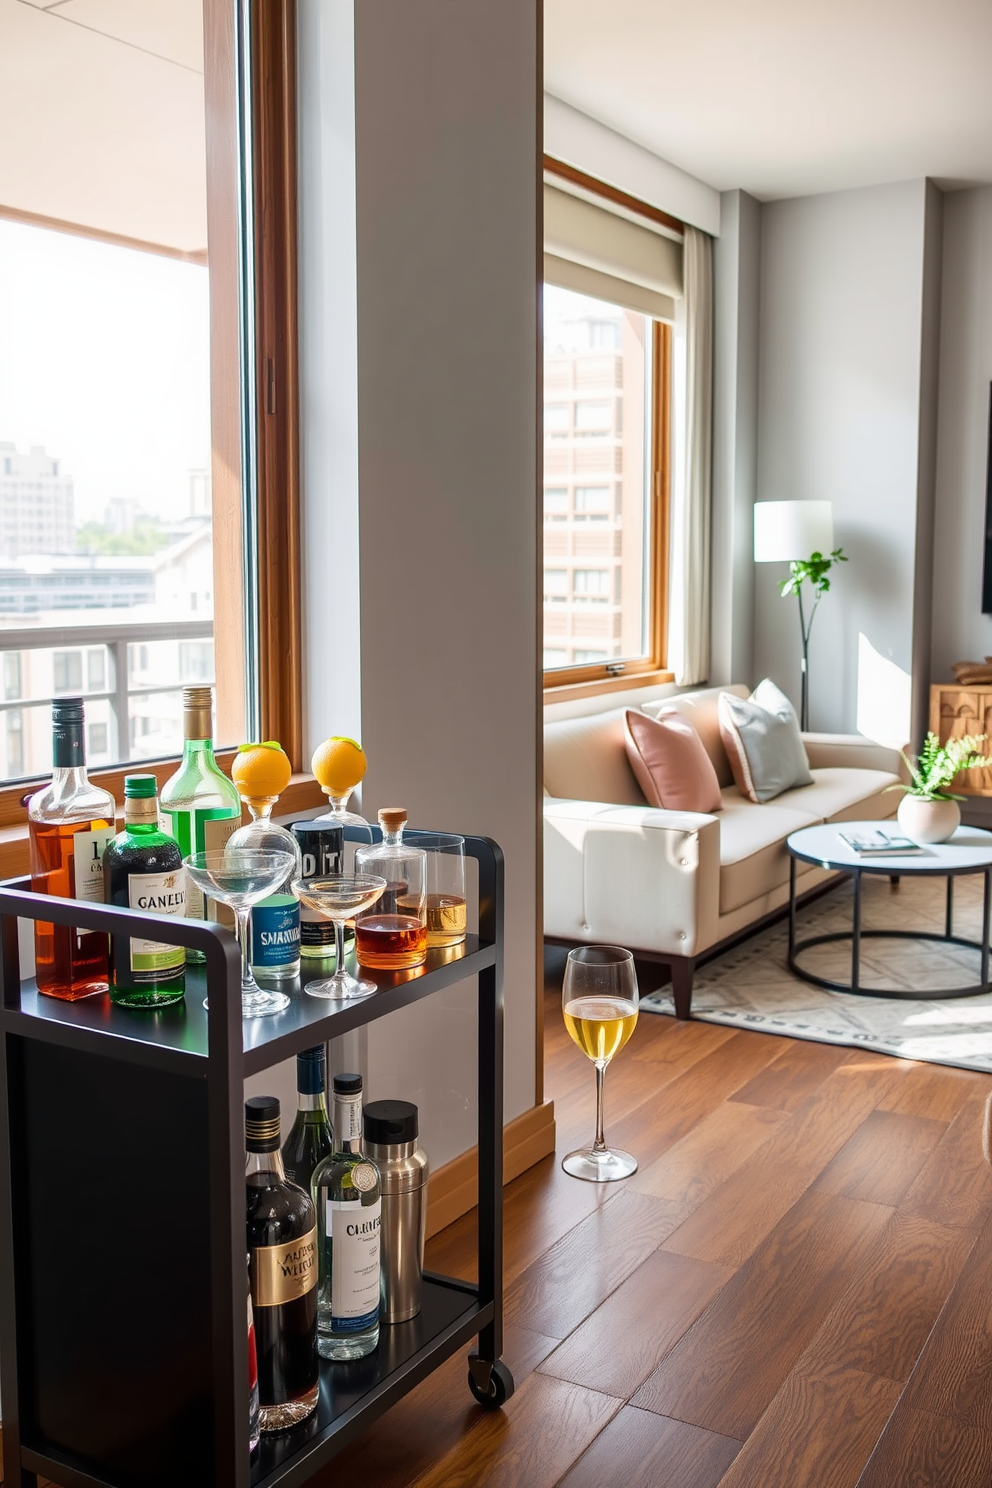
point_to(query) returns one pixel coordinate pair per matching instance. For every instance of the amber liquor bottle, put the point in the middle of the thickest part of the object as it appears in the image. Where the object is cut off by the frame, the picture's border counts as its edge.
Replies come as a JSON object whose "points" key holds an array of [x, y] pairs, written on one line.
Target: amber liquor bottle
{"points": [[282, 1271], [70, 823]]}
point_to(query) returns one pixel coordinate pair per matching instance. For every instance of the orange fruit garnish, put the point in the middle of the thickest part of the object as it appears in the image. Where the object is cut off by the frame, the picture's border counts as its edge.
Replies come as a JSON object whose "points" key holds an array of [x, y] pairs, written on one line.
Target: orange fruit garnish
{"points": [[261, 771], [339, 764]]}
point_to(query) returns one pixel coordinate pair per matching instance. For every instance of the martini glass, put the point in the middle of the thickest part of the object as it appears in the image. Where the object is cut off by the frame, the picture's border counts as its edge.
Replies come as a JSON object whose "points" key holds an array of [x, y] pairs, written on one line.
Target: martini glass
{"points": [[340, 898], [239, 878]]}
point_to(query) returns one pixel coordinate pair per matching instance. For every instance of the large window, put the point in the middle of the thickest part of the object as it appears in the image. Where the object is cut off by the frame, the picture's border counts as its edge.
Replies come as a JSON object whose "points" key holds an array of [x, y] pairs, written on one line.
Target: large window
{"points": [[604, 581], [148, 475]]}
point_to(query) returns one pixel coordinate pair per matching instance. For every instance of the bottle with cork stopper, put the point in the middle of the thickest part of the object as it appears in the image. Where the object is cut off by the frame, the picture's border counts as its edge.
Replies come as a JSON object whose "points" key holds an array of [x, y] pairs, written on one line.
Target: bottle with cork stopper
{"points": [[392, 935]]}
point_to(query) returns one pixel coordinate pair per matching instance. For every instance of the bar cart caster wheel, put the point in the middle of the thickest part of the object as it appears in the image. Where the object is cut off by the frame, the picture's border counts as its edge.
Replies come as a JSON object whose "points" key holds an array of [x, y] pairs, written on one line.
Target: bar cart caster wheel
{"points": [[498, 1390]]}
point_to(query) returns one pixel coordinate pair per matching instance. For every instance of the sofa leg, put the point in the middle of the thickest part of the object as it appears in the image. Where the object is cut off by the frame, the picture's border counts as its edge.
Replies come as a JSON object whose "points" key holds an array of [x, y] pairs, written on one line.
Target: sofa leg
{"points": [[682, 970]]}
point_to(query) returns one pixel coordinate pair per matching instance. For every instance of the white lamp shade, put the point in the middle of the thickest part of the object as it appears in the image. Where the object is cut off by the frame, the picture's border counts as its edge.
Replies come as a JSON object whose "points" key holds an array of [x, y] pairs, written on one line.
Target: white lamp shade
{"points": [[784, 530]]}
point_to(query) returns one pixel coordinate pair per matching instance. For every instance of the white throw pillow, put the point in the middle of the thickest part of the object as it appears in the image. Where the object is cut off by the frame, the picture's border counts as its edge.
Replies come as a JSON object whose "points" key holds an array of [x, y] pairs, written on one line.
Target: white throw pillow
{"points": [[763, 743]]}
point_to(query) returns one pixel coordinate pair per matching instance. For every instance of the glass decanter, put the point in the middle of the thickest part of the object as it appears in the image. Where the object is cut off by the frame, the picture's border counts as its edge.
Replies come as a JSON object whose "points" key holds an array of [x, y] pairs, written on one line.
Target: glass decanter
{"points": [[392, 935]]}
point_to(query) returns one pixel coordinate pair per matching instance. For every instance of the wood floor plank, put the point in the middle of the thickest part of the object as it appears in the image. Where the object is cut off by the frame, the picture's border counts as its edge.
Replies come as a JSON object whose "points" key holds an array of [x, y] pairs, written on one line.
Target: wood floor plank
{"points": [[795, 1076], [954, 1375], [729, 1226], [531, 1443], [641, 1450], [955, 1186], [933, 1090], [882, 1321], [619, 1344], [706, 1156], [433, 1419], [567, 1283], [816, 1433], [881, 1160], [540, 1207], [922, 1450], [726, 1370]]}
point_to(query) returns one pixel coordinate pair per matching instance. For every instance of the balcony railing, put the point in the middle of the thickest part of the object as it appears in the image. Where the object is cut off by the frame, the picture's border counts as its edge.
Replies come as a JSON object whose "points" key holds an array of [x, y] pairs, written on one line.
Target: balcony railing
{"points": [[125, 687]]}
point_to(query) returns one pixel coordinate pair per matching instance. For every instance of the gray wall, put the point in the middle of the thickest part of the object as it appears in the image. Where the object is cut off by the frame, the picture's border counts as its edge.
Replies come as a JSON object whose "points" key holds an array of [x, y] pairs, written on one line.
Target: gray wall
{"points": [[960, 630], [419, 143], [736, 273], [842, 312]]}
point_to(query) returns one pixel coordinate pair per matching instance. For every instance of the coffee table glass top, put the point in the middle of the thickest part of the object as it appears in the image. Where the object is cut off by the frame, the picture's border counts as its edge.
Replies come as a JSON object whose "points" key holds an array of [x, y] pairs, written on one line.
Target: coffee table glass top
{"points": [[968, 851]]}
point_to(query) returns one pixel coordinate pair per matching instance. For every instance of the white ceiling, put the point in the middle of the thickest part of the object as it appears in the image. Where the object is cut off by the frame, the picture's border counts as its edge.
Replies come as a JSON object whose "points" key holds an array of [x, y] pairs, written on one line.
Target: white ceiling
{"points": [[785, 97], [101, 116]]}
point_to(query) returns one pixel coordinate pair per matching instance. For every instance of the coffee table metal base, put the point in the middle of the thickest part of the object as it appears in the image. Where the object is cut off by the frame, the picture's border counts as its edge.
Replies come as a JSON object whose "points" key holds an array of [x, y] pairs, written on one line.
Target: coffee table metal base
{"points": [[856, 935]]}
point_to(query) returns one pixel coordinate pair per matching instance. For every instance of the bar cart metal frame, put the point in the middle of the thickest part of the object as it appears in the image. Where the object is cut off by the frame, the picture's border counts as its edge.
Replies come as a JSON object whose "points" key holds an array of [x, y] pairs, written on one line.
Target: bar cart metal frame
{"points": [[123, 1347]]}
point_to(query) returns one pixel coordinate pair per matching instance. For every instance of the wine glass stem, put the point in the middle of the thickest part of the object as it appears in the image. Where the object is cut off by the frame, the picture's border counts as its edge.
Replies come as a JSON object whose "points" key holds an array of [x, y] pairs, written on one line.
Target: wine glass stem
{"points": [[339, 947], [244, 936], [600, 1143]]}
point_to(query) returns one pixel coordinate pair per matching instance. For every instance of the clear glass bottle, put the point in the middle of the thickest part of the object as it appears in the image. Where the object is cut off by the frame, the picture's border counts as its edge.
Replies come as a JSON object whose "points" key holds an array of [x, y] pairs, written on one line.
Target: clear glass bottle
{"points": [[200, 806], [392, 935], [70, 823], [282, 1270], [275, 920], [143, 869], [310, 1138], [349, 1212]]}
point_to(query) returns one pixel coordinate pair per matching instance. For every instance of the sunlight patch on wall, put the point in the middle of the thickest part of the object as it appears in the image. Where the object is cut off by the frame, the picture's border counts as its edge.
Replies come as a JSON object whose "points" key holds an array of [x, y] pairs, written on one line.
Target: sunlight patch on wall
{"points": [[884, 697]]}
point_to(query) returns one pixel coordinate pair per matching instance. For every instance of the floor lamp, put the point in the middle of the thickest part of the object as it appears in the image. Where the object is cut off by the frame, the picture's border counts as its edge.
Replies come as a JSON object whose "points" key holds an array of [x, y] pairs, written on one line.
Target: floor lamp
{"points": [[785, 531]]}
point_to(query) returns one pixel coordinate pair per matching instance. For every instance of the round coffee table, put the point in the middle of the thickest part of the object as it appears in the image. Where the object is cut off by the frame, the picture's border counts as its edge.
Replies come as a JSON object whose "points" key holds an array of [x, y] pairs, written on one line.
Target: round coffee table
{"points": [[968, 851]]}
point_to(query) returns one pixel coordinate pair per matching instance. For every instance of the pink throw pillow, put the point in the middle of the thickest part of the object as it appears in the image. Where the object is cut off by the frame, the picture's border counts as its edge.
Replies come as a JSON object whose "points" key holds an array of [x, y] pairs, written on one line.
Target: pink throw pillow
{"points": [[672, 766]]}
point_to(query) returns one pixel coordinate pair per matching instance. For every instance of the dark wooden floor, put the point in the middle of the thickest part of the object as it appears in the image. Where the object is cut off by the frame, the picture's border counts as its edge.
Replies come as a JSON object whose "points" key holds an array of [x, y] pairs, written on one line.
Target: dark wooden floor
{"points": [[794, 1290]]}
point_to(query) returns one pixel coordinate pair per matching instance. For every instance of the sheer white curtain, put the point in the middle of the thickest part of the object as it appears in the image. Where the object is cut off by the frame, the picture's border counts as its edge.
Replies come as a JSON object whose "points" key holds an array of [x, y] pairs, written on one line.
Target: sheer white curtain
{"points": [[692, 435]]}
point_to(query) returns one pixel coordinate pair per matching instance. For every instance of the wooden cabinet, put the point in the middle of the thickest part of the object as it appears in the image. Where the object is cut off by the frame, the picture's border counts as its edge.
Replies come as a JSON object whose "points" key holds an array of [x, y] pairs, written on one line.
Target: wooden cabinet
{"points": [[957, 710]]}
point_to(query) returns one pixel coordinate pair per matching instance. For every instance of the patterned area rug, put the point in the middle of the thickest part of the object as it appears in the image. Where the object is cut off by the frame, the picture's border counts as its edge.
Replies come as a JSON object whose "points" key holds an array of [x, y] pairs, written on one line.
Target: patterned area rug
{"points": [[750, 986]]}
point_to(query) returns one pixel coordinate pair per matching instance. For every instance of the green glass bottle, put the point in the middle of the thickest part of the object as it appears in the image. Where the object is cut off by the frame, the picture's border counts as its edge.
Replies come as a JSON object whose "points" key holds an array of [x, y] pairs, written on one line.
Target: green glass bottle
{"points": [[310, 1139], [200, 806], [143, 869]]}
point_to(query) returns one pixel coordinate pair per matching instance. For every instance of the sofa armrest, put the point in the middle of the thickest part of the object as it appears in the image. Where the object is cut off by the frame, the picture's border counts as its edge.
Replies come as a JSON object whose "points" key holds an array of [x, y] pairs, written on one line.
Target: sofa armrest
{"points": [[826, 750], [631, 875]]}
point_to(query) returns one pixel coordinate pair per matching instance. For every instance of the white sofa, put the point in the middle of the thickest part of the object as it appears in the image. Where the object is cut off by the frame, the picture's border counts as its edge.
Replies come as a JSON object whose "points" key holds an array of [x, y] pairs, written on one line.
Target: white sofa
{"points": [[676, 886]]}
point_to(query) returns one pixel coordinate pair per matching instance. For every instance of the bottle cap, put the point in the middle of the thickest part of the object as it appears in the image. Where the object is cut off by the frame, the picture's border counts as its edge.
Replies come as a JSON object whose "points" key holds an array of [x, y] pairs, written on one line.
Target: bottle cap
{"points": [[347, 1084], [198, 712], [262, 1123], [310, 1071], [387, 1122], [67, 710], [140, 785], [392, 818]]}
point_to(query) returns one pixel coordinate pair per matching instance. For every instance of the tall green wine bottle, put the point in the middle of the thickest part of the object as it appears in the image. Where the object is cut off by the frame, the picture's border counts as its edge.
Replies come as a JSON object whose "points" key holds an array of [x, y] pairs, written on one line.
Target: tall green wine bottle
{"points": [[200, 806], [310, 1139], [143, 869]]}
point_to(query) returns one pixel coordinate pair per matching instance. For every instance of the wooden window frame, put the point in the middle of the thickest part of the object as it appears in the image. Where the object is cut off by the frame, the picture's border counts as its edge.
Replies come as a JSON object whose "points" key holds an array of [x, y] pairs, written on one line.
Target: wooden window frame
{"points": [[272, 364], [589, 679]]}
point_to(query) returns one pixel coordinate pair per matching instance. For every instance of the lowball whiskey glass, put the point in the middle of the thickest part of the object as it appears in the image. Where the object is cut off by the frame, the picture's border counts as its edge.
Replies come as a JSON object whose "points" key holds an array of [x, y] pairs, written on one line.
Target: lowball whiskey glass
{"points": [[599, 1003]]}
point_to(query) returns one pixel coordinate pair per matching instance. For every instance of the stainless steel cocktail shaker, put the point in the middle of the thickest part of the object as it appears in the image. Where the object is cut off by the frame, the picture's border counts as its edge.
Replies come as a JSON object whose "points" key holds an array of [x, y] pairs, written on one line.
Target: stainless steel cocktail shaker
{"points": [[389, 1138]]}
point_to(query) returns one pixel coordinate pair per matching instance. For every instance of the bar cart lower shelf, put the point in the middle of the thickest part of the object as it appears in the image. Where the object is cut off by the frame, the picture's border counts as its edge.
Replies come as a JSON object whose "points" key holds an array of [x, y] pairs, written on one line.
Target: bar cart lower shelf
{"points": [[122, 1241]]}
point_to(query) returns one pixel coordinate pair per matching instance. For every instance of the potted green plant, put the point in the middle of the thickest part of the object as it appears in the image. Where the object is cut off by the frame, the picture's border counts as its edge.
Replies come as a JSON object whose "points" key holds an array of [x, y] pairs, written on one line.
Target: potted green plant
{"points": [[929, 811]]}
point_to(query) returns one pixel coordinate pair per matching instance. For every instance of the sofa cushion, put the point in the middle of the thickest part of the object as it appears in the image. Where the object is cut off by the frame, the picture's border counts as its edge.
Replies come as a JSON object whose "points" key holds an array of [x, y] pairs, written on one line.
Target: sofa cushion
{"points": [[754, 859], [701, 709], [840, 793], [763, 743], [585, 759], [672, 767]]}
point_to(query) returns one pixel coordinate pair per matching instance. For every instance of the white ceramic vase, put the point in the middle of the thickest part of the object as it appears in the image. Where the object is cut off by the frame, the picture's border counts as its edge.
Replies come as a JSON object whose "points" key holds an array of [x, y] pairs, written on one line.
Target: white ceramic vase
{"points": [[928, 821]]}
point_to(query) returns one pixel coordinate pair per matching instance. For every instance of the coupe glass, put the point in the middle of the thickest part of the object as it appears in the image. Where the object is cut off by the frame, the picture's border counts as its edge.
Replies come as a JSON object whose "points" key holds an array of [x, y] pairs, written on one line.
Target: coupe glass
{"points": [[239, 878], [340, 898], [599, 1002]]}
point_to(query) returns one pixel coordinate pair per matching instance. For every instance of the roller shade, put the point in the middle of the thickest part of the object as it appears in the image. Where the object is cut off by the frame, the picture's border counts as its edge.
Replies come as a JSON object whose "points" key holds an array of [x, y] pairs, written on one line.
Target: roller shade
{"points": [[599, 253]]}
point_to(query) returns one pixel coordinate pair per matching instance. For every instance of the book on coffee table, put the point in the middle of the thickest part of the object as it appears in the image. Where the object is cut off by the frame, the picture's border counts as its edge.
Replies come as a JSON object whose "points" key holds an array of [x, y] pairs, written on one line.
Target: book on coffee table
{"points": [[878, 843]]}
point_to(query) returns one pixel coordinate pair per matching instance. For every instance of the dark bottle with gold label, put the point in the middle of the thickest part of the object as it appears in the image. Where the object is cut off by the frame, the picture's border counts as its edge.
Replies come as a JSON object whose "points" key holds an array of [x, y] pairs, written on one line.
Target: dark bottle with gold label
{"points": [[282, 1270]]}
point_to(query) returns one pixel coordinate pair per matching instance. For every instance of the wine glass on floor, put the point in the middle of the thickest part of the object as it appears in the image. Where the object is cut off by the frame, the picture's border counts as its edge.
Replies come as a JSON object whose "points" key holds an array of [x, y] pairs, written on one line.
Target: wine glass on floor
{"points": [[239, 878], [340, 898], [599, 1003]]}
